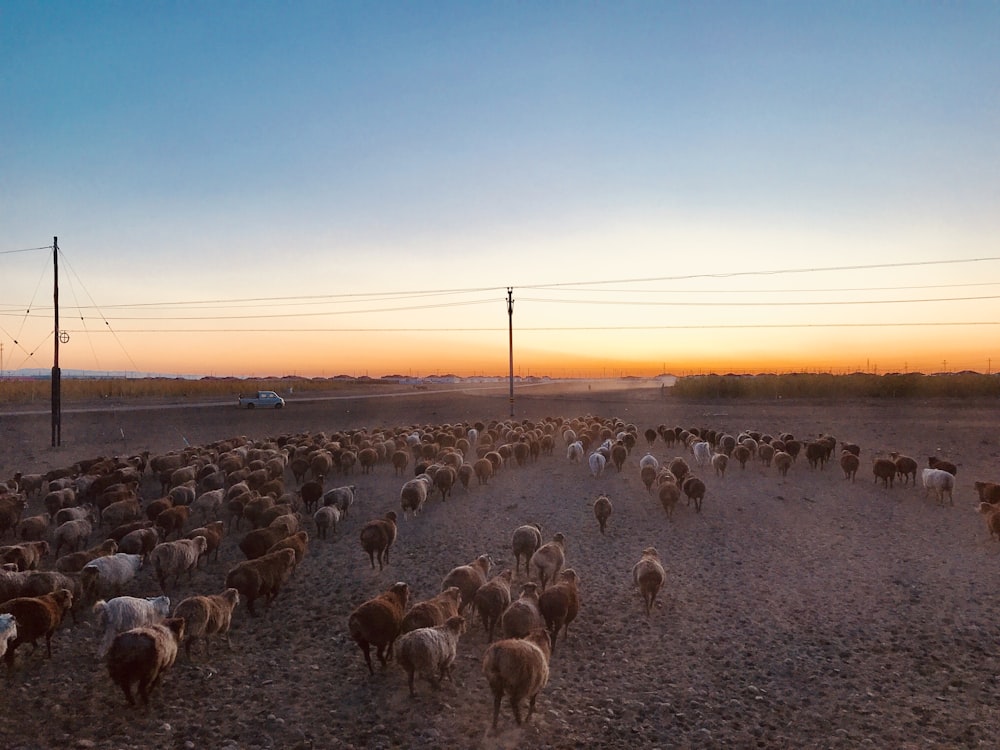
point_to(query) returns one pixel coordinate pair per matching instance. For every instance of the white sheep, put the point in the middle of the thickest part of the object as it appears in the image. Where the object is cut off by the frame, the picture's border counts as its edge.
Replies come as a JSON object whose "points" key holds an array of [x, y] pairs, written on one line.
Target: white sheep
{"points": [[209, 504], [126, 612], [174, 558], [326, 517], [109, 573], [702, 453], [342, 497], [597, 463], [430, 651], [941, 481], [574, 451], [413, 494], [649, 460], [8, 631]]}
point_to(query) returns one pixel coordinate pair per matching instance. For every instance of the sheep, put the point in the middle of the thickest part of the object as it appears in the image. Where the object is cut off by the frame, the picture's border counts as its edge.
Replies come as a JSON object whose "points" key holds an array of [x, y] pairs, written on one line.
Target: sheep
{"points": [[311, 493], [297, 542], [174, 558], [434, 611], [884, 469], [560, 603], [989, 492], [849, 464], [702, 453], [208, 615], [649, 460], [518, 668], [142, 655], [342, 497], [8, 631], [74, 562], [936, 463], [679, 468], [26, 556], [648, 575], [400, 460], [618, 455], [121, 511], [574, 452], [597, 463], [377, 536], [492, 598], [33, 528], [905, 467], [694, 488], [719, 462], [525, 540], [413, 494], [173, 519], [74, 534], [669, 494], [941, 481], [602, 510], [77, 512], [36, 616], [817, 453], [124, 613], [742, 454], [468, 578], [783, 462], [549, 558], [140, 542], [430, 650], [261, 577], [522, 614], [991, 515], [325, 518], [258, 541], [376, 622], [465, 474], [108, 574], [209, 504], [213, 533]]}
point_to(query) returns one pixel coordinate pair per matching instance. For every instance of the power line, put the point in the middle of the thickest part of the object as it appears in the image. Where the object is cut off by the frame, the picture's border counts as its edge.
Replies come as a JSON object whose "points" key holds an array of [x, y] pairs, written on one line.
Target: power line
{"points": [[25, 250], [623, 303]]}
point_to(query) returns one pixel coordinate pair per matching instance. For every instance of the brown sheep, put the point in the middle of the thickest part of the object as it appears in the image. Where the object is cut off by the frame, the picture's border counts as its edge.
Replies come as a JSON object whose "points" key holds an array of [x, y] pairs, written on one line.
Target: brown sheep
{"points": [[468, 579], [33, 528], [989, 492], [602, 509], [257, 542], [297, 542], [25, 556], [430, 650], [261, 577], [484, 470], [208, 615], [560, 603], [884, 469], [525, 540], [549, 559], [376, 622], [936, 463], [444, 480], [173, 519], [175, 558], [649, 576], [36, 616], [669, 494], [74, 562], [492, 599], [849, 464], [432, 612], [142, 655], [213, 533], [518, 668], [679, 468], [522, 615], [906, 467], [140, 542], [694, 488], [377, 536], [783, 462]]}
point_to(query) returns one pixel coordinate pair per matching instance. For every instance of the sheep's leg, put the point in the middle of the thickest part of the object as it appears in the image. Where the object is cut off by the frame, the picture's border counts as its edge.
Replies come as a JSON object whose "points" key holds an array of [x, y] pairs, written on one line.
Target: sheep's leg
{"points": [[497, 696], [515, 704], [410, 674], [366, 650], [531, 705], [127, 689]]}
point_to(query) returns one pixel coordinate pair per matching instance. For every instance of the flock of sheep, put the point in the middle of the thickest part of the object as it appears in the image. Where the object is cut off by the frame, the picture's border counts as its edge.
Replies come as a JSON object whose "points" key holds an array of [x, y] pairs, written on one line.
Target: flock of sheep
{"points": [[101, 534]]}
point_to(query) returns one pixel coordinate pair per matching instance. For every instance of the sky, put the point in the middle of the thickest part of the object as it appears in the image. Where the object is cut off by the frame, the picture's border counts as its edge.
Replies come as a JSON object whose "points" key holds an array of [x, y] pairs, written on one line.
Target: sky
{"points": [[323, 188]]}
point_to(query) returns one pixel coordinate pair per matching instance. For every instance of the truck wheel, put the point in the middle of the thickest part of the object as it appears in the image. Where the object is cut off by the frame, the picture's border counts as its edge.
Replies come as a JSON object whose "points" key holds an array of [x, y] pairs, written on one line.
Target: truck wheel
{"points": [[251, 405]]}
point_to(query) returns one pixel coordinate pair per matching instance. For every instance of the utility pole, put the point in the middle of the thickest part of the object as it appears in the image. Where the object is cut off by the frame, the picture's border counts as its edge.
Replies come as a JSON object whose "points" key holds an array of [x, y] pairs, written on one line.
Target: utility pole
{"points": [[510, 336], [56, 373]]}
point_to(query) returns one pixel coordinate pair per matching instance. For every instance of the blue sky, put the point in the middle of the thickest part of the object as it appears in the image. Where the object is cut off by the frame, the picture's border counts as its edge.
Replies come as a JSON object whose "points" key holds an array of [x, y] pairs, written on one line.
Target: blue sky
{"points": [[187, 151]]}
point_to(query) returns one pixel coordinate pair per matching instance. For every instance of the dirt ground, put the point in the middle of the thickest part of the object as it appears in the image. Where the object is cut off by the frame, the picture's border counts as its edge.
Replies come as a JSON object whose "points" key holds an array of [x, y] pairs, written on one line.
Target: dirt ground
{"points": [[805, 612]]}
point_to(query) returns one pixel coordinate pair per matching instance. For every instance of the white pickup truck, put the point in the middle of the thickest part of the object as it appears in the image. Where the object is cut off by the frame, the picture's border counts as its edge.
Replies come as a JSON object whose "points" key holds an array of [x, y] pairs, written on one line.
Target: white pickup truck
{"points": [[263, 400]]}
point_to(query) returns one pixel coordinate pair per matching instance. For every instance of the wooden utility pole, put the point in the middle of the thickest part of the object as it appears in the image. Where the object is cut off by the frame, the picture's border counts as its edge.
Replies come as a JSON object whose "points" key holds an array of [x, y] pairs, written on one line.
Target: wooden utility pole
{"points": [[56, 373], [510, 336]]}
